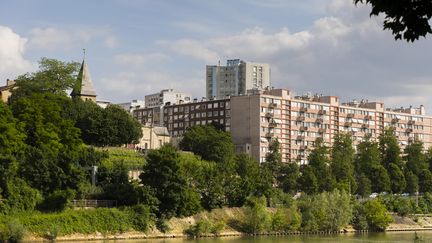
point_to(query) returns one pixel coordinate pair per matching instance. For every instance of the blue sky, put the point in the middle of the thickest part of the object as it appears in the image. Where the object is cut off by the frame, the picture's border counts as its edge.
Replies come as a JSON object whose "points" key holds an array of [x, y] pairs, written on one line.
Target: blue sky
{"points": [[137, 47]]}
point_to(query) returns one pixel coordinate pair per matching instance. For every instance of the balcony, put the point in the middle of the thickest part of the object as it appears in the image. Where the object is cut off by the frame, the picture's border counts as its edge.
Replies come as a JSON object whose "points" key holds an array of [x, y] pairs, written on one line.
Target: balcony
{"points": [[272, 123], [409, 130], [301, 137], [411, 139], [272, 105], [319, 120], [300, 118], [411, 122], [303, 128], [350, 115], [304, 109], [269, 114], [365, 125], [395, 120], [322, 112], [347, 124], [322, 130], [269, 134], [368, 117], [303, 147]]}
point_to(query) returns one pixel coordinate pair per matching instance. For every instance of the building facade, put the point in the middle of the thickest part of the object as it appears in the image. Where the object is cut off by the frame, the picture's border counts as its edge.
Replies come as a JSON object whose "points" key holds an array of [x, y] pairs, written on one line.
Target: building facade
{"points": [[6, 91], [296, 122], [166, 96], [134, 104], [236, 78], [257, 118], [178, 117], [153, 137]]}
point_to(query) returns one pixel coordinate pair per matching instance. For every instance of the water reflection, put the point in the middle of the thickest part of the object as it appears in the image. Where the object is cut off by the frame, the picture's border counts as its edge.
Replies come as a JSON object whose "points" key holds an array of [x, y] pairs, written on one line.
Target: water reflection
{"points": [[363, 238]]}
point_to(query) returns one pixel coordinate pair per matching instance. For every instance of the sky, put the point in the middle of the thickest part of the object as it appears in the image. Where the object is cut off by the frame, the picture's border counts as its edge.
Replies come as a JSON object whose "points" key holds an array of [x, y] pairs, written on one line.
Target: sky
{"points": [[138, 47]]}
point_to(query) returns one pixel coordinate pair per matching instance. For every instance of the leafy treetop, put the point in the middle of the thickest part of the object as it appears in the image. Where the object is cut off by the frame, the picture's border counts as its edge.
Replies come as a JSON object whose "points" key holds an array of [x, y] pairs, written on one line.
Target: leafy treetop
{"points": [[407, 19]]}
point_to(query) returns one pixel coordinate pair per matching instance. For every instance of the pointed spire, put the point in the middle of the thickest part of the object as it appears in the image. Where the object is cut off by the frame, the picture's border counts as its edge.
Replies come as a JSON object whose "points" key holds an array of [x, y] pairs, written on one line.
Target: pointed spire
{"points": [[84, 86]]}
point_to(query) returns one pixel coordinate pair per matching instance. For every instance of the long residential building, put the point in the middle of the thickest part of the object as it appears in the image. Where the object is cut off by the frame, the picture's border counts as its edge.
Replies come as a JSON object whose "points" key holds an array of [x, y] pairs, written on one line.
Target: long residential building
{"points": [[258, 117]]}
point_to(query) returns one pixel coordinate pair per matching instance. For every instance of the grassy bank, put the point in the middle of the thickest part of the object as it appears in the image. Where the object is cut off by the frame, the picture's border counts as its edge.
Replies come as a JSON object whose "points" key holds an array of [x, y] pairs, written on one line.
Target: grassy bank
{"points": [[52, 225], [135, 222]]}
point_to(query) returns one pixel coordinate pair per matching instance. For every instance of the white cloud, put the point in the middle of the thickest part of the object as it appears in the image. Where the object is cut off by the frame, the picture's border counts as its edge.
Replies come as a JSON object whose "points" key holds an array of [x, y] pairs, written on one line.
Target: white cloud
{"points": [[53, 38], [12, 49], [344, 52], [125, 86], [111, 42], [137, 59]]}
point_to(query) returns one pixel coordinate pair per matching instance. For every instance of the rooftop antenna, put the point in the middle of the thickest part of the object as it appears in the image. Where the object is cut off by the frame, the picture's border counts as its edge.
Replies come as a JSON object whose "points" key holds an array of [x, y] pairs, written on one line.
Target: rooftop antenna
{"points": [[84, 53]]}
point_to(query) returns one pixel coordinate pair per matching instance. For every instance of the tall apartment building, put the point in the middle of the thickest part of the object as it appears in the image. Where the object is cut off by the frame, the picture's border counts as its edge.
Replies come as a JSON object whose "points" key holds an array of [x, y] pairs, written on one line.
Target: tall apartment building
{"points": [[255, 119], [236, 78], [166, 96]]}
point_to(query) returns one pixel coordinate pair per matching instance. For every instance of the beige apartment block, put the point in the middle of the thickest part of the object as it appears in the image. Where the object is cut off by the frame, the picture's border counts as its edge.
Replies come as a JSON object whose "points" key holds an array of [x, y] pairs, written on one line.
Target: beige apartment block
{"points": [[296, 122], [236, 78]]}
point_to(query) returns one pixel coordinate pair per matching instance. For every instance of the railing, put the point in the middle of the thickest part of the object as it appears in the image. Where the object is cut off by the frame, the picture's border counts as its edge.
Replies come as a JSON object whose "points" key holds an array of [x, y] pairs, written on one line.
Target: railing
{"points": [[94, 203]]}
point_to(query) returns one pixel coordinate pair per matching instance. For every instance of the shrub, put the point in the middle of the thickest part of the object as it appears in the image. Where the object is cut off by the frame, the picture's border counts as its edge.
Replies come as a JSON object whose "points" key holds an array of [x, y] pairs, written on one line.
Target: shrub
{"points": [[140, 216], [218, 227], [286, 219], [328, 211], [257, 219], [376, 215], [402, 206], [199, 229], [359, 221], [162, 225], [58, 201], [11, 231]]}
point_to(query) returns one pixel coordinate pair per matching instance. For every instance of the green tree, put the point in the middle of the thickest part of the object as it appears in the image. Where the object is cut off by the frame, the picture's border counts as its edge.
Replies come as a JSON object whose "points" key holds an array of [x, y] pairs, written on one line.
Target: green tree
{"points": [[116, 184], [273, 159], [124, 127], [163, 175], [209, 143], [364, 188], [53, 77], [342, 162], [308, 182], [319, 162], [412, 182], [425, 181], [397, 178], [380, 178], [248, 180], [406, 19], [367, 162], [53, 143], [376, 215], [415, 158], [288, 178], [389, 148]]}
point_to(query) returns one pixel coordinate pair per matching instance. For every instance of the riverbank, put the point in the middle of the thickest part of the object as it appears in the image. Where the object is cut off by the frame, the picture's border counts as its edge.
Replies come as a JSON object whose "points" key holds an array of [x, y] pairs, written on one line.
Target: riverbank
{"points": [[177, 227]]}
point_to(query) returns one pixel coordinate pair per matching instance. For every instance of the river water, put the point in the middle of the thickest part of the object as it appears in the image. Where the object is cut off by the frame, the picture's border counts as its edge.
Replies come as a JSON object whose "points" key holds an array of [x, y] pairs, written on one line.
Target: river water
{"points": [[363, 238]]}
